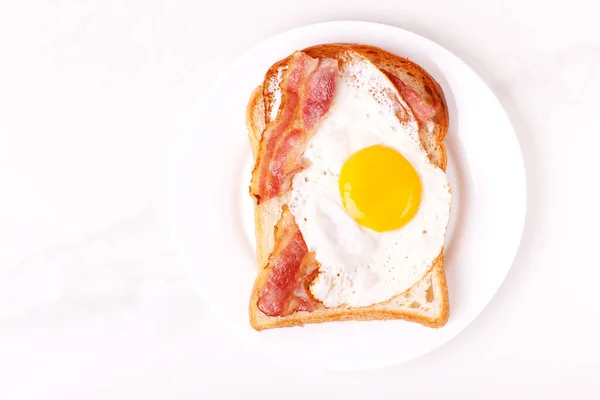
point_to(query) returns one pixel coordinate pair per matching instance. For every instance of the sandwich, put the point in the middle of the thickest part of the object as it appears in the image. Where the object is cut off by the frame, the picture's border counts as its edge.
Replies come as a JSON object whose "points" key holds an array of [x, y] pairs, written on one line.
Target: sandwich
{"points": [[350, 192]]}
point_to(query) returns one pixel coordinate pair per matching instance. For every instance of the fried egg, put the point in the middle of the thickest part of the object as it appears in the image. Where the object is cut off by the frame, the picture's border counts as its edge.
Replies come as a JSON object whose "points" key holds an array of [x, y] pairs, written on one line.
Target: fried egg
{"points": [[370, 204]]}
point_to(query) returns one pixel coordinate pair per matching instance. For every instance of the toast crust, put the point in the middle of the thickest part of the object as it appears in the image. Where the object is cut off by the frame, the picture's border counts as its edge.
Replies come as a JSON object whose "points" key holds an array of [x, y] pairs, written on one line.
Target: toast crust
{"points": [[432, 287]]}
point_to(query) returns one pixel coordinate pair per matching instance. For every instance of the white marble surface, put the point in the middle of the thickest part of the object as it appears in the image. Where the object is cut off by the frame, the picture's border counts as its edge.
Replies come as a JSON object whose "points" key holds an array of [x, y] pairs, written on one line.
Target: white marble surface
{"points": [[93, 303]]}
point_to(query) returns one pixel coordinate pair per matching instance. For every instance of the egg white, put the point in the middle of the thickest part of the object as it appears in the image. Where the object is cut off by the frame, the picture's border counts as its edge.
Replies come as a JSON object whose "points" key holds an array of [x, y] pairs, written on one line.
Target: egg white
{"points": [[361, 267]]}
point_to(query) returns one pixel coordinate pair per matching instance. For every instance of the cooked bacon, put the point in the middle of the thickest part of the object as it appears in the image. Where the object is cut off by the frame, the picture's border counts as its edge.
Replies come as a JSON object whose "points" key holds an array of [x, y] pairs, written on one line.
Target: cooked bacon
{"points": [[291, 268], [307, 93], [423, 110], [320, 90]]}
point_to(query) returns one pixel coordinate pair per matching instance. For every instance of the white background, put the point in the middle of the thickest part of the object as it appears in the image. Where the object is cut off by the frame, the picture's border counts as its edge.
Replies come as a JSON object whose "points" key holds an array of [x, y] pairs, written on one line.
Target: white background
{"points": [[93, 303]]}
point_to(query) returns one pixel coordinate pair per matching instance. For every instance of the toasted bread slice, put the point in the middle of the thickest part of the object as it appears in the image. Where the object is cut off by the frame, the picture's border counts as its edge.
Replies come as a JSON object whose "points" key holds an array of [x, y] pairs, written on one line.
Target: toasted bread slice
{"points": [[426, 302]]}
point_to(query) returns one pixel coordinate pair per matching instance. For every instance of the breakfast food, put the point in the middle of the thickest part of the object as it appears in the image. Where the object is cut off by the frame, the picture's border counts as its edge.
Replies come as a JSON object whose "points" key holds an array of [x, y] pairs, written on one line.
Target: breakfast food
{"points": [[351, 197]]}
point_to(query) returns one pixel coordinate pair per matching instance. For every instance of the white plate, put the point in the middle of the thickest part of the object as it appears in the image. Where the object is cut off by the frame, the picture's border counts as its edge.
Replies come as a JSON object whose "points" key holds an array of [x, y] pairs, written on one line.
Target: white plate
{"points": [[213, 221]]}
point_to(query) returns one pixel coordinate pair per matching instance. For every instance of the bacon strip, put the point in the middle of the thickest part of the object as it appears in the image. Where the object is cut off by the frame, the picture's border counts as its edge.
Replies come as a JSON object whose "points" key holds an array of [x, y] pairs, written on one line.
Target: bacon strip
{"points": [[292, 268], [307, 93], [423, 110]]}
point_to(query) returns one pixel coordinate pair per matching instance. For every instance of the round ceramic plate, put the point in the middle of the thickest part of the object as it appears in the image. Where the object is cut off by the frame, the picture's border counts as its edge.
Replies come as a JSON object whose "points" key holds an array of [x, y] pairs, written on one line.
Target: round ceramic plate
{"points": [[212, 212]]}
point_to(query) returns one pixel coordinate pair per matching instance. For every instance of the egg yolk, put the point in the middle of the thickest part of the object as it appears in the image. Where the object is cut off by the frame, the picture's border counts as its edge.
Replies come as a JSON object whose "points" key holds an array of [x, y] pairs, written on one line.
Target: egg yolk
{"points": [[380, 189]]}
